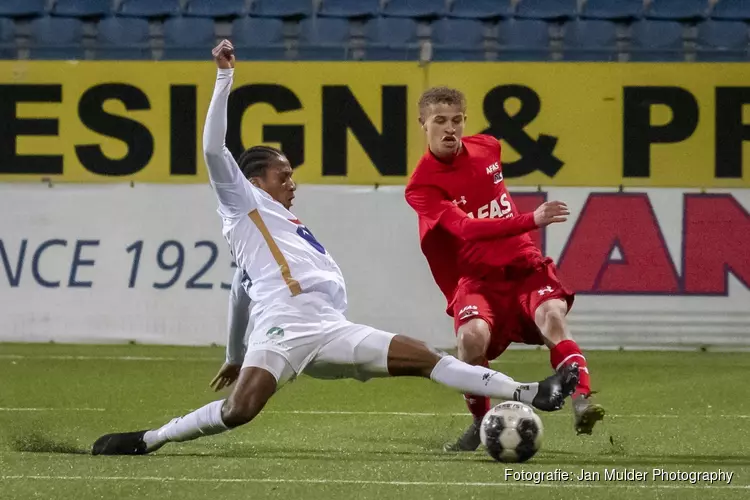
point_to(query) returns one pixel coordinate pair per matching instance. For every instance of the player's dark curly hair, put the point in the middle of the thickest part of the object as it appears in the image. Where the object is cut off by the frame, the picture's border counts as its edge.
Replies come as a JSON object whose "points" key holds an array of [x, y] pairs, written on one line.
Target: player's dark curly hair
{"points": [[442, 95], [253, 161]]}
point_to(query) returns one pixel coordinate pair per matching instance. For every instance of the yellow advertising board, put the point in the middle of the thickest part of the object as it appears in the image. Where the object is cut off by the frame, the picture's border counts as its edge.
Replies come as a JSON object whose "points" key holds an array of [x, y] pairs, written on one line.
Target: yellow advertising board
{"points": [[564, 124]]}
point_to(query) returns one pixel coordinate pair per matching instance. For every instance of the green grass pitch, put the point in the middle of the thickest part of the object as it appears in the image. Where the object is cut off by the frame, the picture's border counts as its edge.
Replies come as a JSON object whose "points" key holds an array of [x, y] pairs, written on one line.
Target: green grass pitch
{"points": [[345, 439]]}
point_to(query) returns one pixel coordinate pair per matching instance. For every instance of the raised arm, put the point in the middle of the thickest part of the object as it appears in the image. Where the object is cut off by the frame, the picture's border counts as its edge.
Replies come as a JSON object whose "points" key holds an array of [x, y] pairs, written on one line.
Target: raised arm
{"points": [[232, 189], [435, 209]]}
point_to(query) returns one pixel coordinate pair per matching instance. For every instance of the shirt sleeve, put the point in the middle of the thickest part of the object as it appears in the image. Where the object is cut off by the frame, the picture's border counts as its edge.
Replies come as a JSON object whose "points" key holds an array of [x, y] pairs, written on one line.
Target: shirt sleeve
{"points": [[238, 320], [233, 191], [435, 209]]}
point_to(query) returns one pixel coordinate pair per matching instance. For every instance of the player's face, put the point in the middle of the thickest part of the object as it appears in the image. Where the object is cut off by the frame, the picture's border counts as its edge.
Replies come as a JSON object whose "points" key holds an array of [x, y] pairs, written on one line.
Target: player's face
{"points": [[444, 124], [278, 182]]}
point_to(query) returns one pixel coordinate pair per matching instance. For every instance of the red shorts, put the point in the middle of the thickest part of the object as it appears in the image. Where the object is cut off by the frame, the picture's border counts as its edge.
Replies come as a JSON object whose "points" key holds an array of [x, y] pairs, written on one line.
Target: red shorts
{"points": [[508, 302]]}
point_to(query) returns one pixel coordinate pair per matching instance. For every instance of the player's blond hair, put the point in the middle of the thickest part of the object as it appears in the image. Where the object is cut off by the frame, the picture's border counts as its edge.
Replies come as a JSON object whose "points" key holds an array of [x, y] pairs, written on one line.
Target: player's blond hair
{"points": [[442, 95]]}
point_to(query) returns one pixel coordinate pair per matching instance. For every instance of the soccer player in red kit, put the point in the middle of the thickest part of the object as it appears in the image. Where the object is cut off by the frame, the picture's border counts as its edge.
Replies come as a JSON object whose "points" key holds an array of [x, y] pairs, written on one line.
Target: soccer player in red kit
{"points": [[500, 289]]}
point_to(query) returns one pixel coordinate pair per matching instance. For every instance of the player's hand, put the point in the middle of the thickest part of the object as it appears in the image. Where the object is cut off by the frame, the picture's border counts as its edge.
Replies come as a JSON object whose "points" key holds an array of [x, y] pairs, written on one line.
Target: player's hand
{"points": [[224, 54], [550, 213], [226, 376]]}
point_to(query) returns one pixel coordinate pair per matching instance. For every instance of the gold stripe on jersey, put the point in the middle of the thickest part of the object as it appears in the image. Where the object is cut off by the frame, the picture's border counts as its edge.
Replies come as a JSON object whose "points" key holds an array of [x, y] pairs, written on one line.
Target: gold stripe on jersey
{"points": [[278, 256]]}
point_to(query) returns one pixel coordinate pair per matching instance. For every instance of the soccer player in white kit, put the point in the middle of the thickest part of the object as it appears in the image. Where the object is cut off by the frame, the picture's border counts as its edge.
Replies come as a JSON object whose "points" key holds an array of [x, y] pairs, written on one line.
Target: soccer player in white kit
{"points": [[299, 299]]}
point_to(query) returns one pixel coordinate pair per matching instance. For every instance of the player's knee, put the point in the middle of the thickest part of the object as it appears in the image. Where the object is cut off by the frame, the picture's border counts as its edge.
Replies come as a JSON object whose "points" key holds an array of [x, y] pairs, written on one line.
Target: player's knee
{"points": [[473, 340], [253, 390], [550, 318], [552, 311], [408, 357], [236, 412]]}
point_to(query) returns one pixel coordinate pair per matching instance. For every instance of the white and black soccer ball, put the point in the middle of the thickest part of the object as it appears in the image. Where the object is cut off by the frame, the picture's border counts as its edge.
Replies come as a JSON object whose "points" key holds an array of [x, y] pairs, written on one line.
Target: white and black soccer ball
{"points": [[511, 432]]}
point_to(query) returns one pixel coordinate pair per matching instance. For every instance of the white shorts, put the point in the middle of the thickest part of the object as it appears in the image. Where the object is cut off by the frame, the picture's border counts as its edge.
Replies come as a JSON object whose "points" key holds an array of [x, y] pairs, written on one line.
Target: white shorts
{"points": [[307, 334]]}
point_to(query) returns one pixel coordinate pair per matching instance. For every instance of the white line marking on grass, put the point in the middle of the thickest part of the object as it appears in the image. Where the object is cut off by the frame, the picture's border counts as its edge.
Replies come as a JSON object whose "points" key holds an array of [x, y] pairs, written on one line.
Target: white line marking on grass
{"points": [[108, 358], [365, 413], [53, 409], [376, 413], [218, 359], [372, 482]]}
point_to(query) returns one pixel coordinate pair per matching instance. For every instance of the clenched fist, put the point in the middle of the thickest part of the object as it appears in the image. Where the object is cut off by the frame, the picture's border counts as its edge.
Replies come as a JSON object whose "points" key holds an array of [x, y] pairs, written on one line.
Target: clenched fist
{"points": [[224, 54]]}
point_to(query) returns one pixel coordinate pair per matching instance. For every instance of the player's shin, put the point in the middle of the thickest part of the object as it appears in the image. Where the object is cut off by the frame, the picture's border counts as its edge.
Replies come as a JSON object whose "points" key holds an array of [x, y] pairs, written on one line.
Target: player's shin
{"points": [[478, 405], [204, 421], [482, 381]]}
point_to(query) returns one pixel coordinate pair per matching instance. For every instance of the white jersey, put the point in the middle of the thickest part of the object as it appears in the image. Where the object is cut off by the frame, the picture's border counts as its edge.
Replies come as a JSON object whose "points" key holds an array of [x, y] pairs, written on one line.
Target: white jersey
{"points": [[276, 251]]}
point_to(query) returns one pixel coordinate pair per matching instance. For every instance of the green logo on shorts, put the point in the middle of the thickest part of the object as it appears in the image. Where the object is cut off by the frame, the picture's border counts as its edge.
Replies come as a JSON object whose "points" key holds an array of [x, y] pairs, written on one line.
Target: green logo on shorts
{"points": [[275, 332]]}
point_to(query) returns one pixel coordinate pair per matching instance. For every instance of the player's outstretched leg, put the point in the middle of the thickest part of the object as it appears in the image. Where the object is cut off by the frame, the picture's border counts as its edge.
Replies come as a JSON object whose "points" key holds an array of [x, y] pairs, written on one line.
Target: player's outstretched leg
{"points": [[411, 357], [254, 388], [550, 317]]}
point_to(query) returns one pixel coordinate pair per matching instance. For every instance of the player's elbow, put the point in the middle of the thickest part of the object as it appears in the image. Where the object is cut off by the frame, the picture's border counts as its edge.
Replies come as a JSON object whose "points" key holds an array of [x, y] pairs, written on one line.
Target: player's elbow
{"points": [[214, 163], [464, 232], [212, 153], [459, 233], [459, 228], [462, 237], [212, 144]]}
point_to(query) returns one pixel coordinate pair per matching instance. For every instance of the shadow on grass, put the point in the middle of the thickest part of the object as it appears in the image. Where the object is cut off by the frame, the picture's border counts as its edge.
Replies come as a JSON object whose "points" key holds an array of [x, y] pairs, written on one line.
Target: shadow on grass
{"points": [[38, 443]]}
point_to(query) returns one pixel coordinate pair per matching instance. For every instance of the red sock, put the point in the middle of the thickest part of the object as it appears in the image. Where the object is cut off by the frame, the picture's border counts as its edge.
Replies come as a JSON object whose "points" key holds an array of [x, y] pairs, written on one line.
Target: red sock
{"points": [[478, 405], [567, 352]]}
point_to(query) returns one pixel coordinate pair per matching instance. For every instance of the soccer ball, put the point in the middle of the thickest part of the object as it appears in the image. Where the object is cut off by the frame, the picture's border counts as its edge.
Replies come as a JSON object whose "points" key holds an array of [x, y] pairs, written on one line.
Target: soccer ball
{"points": [[511, 432]]}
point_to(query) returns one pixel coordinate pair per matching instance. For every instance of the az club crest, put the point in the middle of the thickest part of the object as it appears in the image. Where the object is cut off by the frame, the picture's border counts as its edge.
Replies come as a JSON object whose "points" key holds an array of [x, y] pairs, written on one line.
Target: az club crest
{"points": [[275, 332]]}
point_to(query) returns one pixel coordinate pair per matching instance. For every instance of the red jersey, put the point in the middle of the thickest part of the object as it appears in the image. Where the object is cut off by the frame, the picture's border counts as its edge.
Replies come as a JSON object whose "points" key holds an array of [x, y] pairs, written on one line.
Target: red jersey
{"points": [[468, 223]]}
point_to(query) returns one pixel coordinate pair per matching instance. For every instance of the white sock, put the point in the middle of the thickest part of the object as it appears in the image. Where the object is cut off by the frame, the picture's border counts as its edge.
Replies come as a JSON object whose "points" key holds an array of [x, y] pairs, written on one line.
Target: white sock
{"points": [[204, 421], [481, 381]]}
